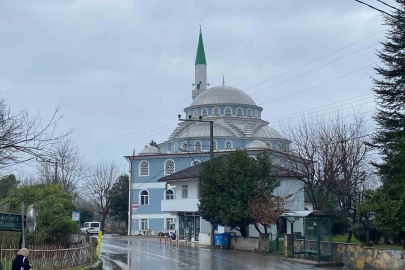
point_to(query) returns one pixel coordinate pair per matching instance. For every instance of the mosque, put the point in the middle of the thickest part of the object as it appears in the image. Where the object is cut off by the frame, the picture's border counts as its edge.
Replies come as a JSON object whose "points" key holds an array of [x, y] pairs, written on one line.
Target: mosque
{"points": [[164, 187]]}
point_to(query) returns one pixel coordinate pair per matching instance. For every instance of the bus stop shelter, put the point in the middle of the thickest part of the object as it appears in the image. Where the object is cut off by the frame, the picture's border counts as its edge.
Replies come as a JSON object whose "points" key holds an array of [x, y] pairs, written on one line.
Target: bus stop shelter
{"points": [[317, 234]]}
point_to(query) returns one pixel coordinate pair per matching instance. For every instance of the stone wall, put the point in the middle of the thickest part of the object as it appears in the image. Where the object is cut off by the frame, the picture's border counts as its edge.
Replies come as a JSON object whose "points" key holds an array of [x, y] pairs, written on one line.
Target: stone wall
{"points": [[353, 256], [253, 244]]}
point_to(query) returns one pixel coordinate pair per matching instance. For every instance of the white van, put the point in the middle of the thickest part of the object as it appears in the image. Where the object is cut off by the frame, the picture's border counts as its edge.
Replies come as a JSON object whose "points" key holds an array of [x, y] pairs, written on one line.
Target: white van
{"points": [[90, 227]]}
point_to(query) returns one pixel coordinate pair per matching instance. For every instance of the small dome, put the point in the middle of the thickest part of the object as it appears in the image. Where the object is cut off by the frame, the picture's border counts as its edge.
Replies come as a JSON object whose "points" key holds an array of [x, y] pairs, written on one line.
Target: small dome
{"points": [[150, 150], [256, 145], [267, 132], [223, 95]]}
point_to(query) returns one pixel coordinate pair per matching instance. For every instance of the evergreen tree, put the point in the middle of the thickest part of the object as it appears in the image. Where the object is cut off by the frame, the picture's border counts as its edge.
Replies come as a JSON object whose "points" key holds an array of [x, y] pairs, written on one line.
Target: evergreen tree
{"points": [[390, 139], [153, 143]]}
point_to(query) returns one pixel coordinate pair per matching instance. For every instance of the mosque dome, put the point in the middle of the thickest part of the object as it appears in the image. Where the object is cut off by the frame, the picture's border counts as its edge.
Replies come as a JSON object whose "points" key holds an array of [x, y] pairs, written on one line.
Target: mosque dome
{"points": [[223, 95], [267, 132], [150, 150], [203, 130], [256, 145]]}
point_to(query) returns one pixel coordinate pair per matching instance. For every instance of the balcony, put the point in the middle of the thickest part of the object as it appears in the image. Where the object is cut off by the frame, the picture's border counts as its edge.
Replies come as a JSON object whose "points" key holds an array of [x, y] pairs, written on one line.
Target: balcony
{"points": [[180, 205]]}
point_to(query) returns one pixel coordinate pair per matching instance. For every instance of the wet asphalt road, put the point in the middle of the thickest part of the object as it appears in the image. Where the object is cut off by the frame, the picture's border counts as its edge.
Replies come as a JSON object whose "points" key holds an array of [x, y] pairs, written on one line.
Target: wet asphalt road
{"points": [[147, 253]]}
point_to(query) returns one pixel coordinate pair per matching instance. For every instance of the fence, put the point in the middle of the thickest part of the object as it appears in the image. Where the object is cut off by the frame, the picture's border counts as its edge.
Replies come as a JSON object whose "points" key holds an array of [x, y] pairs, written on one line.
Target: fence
{"points": [[52, 257], [273, 248]]}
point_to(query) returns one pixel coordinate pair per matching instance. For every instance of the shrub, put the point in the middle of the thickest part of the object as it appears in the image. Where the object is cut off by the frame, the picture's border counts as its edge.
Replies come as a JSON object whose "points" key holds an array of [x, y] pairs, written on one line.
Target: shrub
{"points": [[359, 233]]}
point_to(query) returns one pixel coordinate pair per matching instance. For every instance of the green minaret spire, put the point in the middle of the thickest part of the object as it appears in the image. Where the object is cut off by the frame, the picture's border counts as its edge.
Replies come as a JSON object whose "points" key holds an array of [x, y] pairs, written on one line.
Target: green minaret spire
{"points": [[200, 58]]}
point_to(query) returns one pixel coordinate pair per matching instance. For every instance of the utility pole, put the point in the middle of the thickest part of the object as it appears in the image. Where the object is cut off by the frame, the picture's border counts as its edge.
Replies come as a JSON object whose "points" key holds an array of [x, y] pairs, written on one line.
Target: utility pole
{"points": [[56, 168], [212, 240]]}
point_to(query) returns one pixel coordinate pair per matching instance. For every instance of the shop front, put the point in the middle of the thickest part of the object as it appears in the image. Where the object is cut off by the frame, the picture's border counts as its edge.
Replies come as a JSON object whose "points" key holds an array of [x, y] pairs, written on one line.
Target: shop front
{"points": [[189, 226]]}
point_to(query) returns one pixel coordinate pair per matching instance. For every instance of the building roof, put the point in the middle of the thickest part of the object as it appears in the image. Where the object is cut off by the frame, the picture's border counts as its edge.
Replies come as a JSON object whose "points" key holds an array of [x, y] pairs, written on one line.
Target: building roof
{"points": [[200, 58], [256, 145], [188, 173], [150, 150], [223, 95]]}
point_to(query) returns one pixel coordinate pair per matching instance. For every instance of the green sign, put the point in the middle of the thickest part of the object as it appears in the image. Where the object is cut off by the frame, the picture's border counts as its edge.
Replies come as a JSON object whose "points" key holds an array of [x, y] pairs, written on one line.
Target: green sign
{"points": [[10, 222]]}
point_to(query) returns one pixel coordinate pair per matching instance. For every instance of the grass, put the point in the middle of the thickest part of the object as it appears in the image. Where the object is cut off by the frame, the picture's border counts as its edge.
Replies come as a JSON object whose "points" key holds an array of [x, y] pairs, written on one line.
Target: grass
{"points": [[343, 238]]}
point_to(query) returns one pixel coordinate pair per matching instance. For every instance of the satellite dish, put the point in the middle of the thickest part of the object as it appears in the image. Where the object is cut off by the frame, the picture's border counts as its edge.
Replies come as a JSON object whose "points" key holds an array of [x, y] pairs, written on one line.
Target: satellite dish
{"points": [[31, 218]]}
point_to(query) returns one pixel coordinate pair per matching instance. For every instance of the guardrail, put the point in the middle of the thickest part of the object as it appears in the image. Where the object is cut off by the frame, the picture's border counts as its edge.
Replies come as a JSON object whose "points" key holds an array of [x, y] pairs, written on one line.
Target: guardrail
{"points": [[52, 257]]}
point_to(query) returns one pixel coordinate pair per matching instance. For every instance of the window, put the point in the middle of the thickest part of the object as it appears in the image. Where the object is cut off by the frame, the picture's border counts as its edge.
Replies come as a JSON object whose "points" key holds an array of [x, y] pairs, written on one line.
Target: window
{"points": [[175, 148], [195, 113], [197, 146], [256, 113], [228, 144], [228, 111], [283, 163], [215, 111], [268, 144], [249, 112], [184, 146], [195, 162], [204, 112], [144, 224], [169, 167], [214, 145], [95, 225], [239, 112], [169, 194], [168, 222], [144, 197], [184, 191], [144, 168]]}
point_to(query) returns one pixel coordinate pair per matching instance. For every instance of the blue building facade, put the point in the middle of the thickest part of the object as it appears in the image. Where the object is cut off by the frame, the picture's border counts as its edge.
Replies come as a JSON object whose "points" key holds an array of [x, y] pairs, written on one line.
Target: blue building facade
{"points": [[237, 124]]}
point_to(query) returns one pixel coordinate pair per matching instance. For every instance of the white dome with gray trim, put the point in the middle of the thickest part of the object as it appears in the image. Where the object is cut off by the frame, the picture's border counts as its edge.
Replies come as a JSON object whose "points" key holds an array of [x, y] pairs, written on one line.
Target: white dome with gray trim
{"points": [[203, 130], [254, 145], [267, 132], [150, 150], [223, 95]]}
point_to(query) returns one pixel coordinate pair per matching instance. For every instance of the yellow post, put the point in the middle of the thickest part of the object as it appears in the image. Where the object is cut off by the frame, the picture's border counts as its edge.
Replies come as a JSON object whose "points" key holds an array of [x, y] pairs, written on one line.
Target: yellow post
{"points": [[100, 233]]}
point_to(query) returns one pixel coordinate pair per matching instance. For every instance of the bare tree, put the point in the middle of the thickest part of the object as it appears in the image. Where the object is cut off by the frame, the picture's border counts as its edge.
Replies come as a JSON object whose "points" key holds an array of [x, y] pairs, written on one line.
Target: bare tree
{"points": [[334, 160], [70, 166], [98, 188], [24, 138]]}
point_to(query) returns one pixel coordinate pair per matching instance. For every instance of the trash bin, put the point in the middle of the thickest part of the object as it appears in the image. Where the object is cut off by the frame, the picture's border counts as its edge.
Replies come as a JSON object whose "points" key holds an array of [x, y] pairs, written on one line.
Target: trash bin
{"points": [[223, 240]]}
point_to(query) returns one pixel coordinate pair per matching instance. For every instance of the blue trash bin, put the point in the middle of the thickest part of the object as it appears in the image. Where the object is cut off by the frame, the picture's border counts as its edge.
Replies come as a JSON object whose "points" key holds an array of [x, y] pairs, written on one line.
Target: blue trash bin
{"points": [[218, 239], [222, 239]]}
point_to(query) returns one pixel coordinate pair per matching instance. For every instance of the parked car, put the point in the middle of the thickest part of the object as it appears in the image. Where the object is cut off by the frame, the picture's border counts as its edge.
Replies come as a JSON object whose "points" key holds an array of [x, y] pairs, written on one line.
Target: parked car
{"points": [[92, 227]]}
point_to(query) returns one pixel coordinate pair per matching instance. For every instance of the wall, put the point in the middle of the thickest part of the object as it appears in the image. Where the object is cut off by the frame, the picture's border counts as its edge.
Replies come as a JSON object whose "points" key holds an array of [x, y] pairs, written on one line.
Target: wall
{"points": [[253, 244], [354, 256]]}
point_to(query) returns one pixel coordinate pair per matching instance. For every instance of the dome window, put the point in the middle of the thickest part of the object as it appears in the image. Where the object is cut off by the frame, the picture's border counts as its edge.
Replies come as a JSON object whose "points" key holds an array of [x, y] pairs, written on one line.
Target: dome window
{"points": [[249, 112], [215, 111], [228, 144], [184, 146], [197, 146], [239, 112], [204, 112], [144, 168], [228, 111], [256, 113], [195, 113], [268, 144], [195, 162], [169, 167]]}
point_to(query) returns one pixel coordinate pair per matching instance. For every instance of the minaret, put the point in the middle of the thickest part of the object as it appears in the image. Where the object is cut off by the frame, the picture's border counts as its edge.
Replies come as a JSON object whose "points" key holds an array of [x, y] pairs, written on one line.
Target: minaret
{"points": [[200, 69]]}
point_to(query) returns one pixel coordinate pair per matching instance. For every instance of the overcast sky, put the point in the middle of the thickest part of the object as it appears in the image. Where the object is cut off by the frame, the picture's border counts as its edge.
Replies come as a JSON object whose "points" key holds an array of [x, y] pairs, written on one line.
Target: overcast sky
{"points": [[121, 70]]}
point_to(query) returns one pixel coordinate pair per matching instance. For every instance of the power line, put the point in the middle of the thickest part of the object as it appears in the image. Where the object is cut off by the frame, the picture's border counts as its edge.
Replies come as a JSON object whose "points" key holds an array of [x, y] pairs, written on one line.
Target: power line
{"points": [[391, 6], [370, 6]]}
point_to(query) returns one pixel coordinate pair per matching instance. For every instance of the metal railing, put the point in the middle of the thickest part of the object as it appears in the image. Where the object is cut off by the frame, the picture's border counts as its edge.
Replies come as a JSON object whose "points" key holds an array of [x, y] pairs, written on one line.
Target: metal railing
{"points": [[52, 257]]}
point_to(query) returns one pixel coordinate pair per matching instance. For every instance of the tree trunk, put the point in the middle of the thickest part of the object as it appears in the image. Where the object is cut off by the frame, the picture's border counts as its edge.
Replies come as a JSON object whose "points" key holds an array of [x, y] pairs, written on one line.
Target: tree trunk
{"points": [[349, 236], [386, 239], [402, 234], [257, 228], [212, 239], [367, 236], [243, 231], [103, 222]]}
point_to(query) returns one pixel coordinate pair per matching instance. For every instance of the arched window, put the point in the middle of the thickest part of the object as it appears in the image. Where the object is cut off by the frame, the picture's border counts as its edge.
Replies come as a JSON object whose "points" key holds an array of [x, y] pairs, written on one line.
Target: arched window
{"points": [[144, 168], [214, 145], [268, 144], [195, 113], [169, 194], [239, 112], [144, 197], [249, 112], [215, 111], [228, 111], [228, 144], [204, 112], [169, 167], [195, 162], [256, 113], [197, 146], [184, 146]]}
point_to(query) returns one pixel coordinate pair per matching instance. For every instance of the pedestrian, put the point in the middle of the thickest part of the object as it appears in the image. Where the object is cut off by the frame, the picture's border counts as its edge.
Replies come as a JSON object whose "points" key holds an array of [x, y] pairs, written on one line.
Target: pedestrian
{"points": [[21, 261]]}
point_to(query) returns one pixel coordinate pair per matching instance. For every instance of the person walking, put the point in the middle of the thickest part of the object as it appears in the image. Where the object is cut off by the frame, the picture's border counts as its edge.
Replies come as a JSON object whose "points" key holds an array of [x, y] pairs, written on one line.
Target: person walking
{"points": [[21, 261]]}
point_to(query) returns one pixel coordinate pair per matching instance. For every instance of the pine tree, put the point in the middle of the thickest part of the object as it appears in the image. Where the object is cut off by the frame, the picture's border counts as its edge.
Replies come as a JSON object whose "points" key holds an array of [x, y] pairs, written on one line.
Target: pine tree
{"points": [[389, 203]]}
